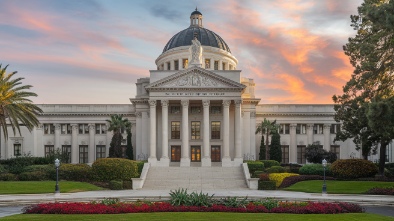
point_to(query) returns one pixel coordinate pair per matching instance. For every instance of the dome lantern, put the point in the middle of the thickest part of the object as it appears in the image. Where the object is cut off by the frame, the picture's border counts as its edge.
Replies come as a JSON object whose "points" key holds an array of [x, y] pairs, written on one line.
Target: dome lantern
{"points": [[196, 19]]}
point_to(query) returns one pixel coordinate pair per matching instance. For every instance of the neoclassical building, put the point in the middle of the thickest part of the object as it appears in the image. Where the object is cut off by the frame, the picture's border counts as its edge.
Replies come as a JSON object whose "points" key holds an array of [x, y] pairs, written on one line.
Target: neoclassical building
{"points": [[197, 109]]}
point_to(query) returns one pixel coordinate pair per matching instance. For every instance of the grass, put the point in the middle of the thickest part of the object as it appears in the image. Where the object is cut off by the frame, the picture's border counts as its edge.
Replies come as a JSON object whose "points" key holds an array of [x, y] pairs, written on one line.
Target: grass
{"points": [[34, 187], [202, 216], [339, 187]]}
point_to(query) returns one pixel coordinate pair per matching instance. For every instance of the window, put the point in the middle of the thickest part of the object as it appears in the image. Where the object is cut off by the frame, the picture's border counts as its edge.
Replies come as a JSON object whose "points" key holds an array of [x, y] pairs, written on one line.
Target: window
{"points": [[49, 129], [17, 150], [83, 153], [65, 128], [49, 150], [216, 65], [66, 150], [101, 128], [196, 126], [176, 65], [216, 109], [83, 128], [301, 154], [284, 129], [285, 153], [175, 109], [335, 128], [223, 66], [318, 129], [175, 130], [185, 63], [301, 129], [335, 149], [215, 130], [162, 67], [195, 110], [207, 63], [100, 151], [168, 66]]}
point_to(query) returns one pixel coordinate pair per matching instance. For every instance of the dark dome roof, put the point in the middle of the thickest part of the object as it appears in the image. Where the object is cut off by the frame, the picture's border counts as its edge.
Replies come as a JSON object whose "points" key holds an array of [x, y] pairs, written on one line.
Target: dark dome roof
{"points": [[205, 36], [196, 12]]}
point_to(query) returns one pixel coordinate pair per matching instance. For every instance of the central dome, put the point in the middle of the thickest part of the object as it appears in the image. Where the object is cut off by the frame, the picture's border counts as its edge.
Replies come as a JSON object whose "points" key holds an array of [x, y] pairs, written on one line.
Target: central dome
{"points": [[205, 36]]}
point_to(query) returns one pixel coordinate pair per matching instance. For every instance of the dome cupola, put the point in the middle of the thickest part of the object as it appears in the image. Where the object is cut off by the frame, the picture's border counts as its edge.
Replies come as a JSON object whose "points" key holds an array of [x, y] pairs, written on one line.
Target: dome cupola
{"points": [[196, 19]]}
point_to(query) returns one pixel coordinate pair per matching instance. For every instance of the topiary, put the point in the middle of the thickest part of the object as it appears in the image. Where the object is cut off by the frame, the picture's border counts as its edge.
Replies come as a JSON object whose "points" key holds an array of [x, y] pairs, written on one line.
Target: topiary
{"points": [[254, 166], [107, 169], [353, 168], [270, 163], [276, 169], [314, 169]]}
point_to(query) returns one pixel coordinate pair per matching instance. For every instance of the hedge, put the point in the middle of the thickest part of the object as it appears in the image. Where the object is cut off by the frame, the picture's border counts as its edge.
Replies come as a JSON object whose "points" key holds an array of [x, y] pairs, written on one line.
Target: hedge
{"points": [[353, 168], [270, 163], [314, 169], [8, 177], [276, 169], [107, 169], [288, 181], [279, 177], [33, 176], [255, 166], [266, 185], [116, 184], [74, 172]]}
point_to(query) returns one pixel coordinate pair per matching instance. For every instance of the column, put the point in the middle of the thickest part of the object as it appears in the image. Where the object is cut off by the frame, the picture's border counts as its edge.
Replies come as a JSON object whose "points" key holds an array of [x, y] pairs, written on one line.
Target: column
{"points": [[226, 160], [152, 141], [253, 135], [237, 124], [133, 139], [164, 160], [91, 151], [57, 136], [212, 64], [74, 144], [185, 160], [138, 136], [326, 132], [145, 135], [293, 144], [206, 160], [246, 134], [309, 133], [180, 64]]}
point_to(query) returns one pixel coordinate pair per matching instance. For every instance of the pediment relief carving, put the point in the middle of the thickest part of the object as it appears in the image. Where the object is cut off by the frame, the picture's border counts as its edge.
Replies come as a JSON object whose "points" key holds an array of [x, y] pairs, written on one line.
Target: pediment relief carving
{"points": [[194, 79]]}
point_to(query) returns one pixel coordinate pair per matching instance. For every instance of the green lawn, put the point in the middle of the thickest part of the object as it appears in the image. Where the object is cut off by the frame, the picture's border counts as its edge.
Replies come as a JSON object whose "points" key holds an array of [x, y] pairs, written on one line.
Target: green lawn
{"points": [[341, 187], [26, 187], [204, 216]]}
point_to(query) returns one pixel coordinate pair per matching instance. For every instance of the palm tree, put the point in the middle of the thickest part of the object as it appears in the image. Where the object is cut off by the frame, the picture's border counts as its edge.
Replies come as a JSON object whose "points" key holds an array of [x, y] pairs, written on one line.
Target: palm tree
{"points": [[267, 127], [15, 106], [116, 124]]}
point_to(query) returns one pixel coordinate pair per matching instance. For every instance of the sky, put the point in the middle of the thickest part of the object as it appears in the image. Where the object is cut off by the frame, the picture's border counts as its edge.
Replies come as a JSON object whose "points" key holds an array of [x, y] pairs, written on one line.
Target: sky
{"points": [[93, 51]]}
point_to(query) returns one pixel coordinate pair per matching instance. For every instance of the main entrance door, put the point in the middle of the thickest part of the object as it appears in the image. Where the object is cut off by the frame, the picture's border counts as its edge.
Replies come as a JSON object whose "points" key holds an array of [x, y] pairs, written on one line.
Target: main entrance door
{"points": [[215, 154], [175, 153], [196, 153]]}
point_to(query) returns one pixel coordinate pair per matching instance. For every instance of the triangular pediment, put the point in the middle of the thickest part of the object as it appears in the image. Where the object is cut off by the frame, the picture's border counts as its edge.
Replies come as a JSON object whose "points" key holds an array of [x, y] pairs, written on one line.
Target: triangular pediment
{"points": [[195, 78]]}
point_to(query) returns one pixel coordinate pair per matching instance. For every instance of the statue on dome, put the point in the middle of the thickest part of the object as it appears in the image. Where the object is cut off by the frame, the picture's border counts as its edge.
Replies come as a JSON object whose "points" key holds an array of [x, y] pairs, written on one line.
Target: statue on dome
{"points": [[195, 51]]}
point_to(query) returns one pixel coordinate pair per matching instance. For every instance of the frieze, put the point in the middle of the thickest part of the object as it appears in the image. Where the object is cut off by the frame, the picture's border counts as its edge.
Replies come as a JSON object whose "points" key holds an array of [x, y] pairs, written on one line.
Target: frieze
{"points": [[195, 94]]}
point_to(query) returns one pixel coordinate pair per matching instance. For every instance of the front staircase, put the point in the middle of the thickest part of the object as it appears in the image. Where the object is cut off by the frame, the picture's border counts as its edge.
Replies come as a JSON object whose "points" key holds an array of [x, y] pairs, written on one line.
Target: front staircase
{"points": [[195, 178]]}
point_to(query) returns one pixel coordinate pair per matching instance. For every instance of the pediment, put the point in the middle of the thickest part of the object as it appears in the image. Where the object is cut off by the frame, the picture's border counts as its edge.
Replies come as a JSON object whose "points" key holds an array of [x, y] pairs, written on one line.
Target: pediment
{"points": [[195, 78]]}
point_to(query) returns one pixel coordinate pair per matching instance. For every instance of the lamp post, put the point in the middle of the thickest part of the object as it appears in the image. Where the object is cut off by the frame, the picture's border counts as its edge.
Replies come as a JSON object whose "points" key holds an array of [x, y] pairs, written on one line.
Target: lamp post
{"points": [[324, 163], [57, 164]]}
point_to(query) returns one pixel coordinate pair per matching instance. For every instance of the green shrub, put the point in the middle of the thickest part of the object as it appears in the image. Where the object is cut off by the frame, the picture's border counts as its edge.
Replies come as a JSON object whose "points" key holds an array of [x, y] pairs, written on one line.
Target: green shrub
{"points": [[314, 169], [353, 168], [267, 185], [257, 173], [8, 177], [127, 184], [116, 185], [276, 169], [140, 165], [255, 166], [270, 163], [73, 172], [49, 170], [2, 169], [33, 176], [107, 169]]}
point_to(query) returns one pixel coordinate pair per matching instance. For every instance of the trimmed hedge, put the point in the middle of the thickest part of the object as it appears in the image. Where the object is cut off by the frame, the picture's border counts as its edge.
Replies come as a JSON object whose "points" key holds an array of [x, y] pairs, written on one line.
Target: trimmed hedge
{"points": [[140, 165], [116, 185], [255, 166], [266, 185], [107, 169], [257, 173], [353, 168], [270, 163], [288, 181], [314, 169], [8, 177], [73, 172], [279, 177], [276, 169], [33, 176]]}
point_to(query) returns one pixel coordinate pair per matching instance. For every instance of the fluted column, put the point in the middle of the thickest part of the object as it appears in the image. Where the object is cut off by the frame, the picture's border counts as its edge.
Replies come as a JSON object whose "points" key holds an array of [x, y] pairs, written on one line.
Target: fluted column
{"points": [[92, 152], [185, 160], [164, 160], [57, 136], [206, 160], [246, 133], [309, 133], [138, 136], [326, 132], [74, 144], [152, 141], [226, 161], [293, 144], [237, 124], [253, 135]]}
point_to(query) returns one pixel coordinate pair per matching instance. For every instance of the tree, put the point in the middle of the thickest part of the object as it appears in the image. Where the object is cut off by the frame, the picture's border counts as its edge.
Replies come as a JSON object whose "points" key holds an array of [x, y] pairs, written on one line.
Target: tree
{"points": [[129, 149], [315, 153], [262, 155], [15, 106], [267, 127], [275, 149], [116, 124]]}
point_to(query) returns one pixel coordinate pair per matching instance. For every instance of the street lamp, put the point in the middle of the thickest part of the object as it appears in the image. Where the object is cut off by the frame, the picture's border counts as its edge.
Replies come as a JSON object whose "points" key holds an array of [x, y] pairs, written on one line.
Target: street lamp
{"points": [[57, 164], [324, 163]]}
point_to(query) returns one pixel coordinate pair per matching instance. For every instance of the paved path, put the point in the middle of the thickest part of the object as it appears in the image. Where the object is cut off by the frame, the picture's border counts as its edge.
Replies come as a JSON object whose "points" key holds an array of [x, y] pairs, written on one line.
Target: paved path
{"points": [[10, 210]]}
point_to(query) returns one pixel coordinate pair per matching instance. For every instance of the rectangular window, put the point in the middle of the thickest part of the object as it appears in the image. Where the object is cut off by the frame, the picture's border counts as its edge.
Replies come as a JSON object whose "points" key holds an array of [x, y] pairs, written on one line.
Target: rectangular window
{"points": [[285, 153], [49, 150], [66, 150], [318, 129], [195, 110], [176, 65], [168, 66], [196, 126], [335, 149], [301, 154], [49, 129], [175, 109], [207, 63], [216, 109], [335, 128], [83, 128], [175, 130], [83, 153], [100, 151], [17, 150], [215, 130], [185, 63], [284, 129], [65, 128], [301, 129], [101, 128], [223, 66], [216, 65]]}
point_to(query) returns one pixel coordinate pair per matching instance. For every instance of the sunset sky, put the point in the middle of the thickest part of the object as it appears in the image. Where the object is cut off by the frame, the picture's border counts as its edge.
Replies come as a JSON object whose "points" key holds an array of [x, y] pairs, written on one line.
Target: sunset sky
{"points": [[93, 51]]}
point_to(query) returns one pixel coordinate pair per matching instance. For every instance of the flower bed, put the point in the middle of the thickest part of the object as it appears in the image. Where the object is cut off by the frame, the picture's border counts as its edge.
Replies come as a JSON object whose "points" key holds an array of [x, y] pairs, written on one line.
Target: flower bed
{"points": [[381, 191], [138, 207]]}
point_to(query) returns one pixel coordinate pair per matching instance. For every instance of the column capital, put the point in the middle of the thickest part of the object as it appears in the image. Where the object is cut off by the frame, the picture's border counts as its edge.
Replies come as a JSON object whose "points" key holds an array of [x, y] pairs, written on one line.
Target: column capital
{"points": [[226, 103], [293, 126], [40, 126], [57, 126], [152, 103], [185, 103], [164, 103], [309, 126], [252, 114], [138, 114], [74, 127], [206, 103], [92, 126], [238, 102], [326, 126]]}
